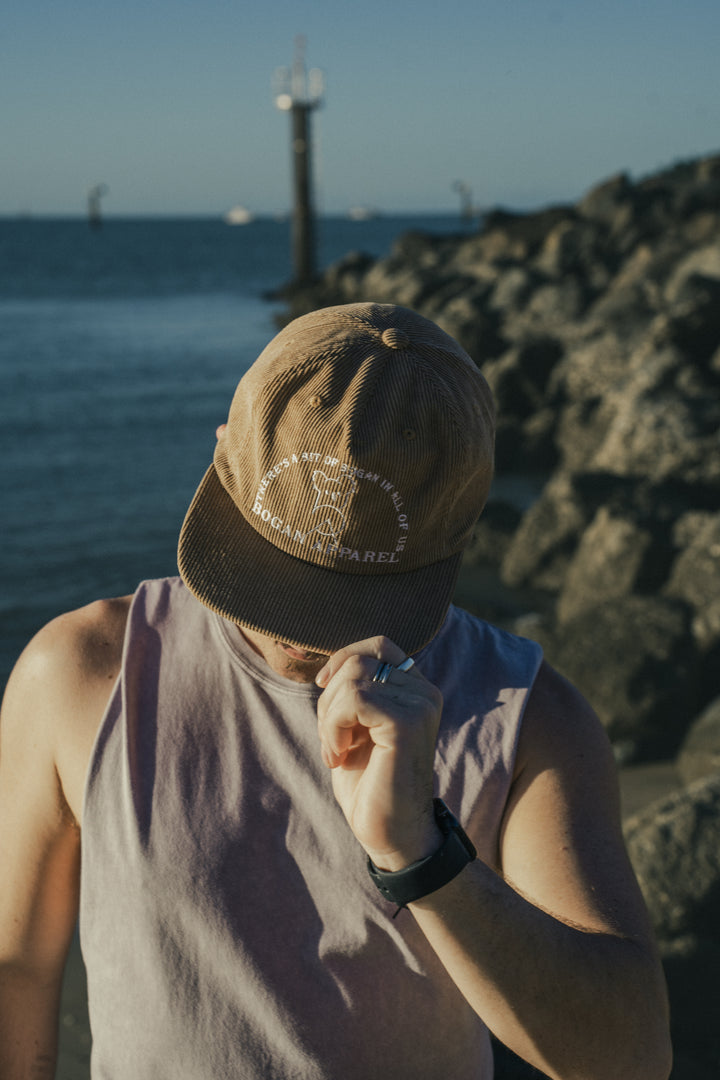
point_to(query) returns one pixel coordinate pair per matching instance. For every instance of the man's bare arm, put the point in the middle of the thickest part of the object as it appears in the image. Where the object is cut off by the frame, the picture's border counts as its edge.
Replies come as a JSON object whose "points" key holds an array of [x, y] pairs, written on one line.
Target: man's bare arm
{"points": [[552, 949], [53, 703], [556, 952]]}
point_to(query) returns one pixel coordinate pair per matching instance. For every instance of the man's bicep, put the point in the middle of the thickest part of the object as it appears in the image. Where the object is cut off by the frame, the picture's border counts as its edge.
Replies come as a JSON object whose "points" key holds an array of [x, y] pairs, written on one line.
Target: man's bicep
{"points": [[561, 841]]}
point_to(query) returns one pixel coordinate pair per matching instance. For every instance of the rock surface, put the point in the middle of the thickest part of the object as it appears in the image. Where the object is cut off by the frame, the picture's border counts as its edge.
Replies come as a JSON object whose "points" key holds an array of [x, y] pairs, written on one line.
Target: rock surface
{"points": [[700, 752], [598, 328], [633, 656], [674, 845]]}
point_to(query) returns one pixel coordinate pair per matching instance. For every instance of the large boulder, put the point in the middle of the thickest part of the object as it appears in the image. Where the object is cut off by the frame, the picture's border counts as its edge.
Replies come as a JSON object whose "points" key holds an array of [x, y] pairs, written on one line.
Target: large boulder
{"points": [[519, 379], [555, 304], [616, 557], [661, 429], [700, 752], [515, 237], [547, 537], [575, 248], [695, 574], [673, 845], [393, 281], [526, 425], [631, 544], [492, 534], [644, 403], [695, 578], [692, 322], [634, 659], [632, 296], [463, 312], [703, 261], [343, 279], [546, 542], [513, 288], [580, 384], [603, 202]]}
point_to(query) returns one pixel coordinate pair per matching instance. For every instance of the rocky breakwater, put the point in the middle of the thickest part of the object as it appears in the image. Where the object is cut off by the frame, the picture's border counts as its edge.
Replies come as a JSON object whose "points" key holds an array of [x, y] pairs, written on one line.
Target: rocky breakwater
{"points": [[598, 328]]}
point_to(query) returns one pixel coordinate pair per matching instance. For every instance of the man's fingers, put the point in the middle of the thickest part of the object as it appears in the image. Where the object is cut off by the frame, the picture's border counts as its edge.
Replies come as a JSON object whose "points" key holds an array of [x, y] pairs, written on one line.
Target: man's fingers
{"points": [[341, 702], [352, 701], [335, 741], [380, 648]]}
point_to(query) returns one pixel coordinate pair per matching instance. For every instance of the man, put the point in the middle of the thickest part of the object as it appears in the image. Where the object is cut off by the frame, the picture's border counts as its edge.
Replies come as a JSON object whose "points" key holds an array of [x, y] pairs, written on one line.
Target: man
{"points": [[256, 753]]}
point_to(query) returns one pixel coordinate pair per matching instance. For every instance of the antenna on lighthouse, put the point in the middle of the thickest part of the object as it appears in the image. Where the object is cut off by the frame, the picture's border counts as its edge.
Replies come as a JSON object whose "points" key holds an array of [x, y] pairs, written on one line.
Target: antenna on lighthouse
{"points": [[299, 93]]}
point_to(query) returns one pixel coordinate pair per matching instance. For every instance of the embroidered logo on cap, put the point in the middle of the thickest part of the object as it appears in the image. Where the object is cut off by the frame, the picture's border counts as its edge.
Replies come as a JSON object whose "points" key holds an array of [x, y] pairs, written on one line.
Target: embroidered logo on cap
{"points": [[333, 496], [320, 525]]}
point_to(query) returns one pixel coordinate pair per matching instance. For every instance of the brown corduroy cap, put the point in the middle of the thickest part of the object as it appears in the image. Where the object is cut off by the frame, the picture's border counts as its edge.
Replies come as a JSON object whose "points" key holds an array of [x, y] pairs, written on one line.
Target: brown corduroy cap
{"points": [[356, 460]]}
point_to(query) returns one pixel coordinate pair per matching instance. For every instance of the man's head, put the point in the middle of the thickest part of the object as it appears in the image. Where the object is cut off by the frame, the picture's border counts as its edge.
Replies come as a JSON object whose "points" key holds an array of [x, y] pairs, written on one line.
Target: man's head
{"points": [[356, 459]]}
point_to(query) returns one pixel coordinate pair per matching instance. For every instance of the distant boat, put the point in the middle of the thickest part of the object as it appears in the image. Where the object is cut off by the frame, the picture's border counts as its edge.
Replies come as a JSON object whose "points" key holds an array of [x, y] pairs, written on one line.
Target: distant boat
{"points": [[362, 213], [238, 215]]}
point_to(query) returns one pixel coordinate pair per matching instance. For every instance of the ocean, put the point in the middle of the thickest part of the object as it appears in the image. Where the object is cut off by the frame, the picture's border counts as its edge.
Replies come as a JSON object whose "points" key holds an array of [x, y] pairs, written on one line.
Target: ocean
{"points": [[120, 349]]}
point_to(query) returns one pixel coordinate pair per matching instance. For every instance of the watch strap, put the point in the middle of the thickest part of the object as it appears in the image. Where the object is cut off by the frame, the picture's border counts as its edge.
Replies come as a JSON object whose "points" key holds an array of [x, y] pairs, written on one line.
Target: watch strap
{"points": [[427, 875]]}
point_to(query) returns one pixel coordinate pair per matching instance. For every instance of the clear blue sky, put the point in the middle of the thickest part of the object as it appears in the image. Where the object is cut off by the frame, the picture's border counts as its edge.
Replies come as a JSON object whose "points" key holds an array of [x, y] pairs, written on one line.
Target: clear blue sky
{"points": [[169, 101]]}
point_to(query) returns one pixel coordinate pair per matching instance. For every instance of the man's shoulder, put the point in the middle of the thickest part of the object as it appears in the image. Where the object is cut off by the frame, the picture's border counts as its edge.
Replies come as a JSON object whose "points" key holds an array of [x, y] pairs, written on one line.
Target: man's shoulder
{"points": [[56, 697], [90, 638], [75, 652], [561, 729]]}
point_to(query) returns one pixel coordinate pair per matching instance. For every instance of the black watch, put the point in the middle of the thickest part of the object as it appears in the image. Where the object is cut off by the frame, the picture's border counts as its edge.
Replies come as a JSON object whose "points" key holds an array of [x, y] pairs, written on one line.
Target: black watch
{"points": [[419, 879]]}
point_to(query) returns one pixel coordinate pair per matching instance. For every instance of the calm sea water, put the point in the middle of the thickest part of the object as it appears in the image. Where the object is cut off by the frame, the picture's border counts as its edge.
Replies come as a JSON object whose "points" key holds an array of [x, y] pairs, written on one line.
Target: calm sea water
{"points": [[119, 352]]}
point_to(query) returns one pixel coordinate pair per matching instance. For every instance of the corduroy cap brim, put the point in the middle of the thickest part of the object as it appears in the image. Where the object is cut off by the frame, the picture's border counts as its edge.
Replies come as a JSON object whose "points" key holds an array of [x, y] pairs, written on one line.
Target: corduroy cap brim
{"points": [[246, 579]]}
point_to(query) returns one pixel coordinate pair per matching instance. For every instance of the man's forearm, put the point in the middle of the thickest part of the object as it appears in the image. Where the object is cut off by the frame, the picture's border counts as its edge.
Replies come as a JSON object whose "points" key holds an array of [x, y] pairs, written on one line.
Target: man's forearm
{"points": [[578, 1005], [28, 1027]]}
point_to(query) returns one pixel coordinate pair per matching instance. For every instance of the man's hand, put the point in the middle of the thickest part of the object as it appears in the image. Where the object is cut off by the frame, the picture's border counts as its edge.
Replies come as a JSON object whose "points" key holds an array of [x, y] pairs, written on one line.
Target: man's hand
{"points": [[379, 740]]}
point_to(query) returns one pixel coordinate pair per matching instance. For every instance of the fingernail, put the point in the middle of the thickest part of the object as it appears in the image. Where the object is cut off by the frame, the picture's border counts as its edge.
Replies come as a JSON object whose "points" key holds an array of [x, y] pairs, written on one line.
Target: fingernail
{"points": [[321, 677]]}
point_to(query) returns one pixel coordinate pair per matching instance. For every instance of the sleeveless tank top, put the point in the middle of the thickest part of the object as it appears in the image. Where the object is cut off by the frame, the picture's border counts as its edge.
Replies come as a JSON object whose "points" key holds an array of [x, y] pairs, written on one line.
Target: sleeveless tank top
{"points": [[228, 923]]}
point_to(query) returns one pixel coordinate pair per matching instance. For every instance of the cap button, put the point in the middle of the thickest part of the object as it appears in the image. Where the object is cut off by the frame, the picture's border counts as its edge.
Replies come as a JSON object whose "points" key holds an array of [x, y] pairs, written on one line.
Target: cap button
{"points": [[395, 339]]}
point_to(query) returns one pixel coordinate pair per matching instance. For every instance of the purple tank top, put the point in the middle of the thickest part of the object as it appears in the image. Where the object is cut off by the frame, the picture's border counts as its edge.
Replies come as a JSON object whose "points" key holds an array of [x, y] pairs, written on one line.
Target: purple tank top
{"points": [[228, 923]]}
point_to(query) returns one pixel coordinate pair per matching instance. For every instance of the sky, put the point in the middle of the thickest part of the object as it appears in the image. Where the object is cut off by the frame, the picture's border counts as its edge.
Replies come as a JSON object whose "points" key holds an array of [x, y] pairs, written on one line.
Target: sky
{"points": [[170, 103]]}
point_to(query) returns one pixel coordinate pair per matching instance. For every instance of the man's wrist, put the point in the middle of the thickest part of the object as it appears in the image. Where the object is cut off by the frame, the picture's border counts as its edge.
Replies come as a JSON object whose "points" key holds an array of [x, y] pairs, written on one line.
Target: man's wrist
{"points": [[411, 851], [405, 884]]}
